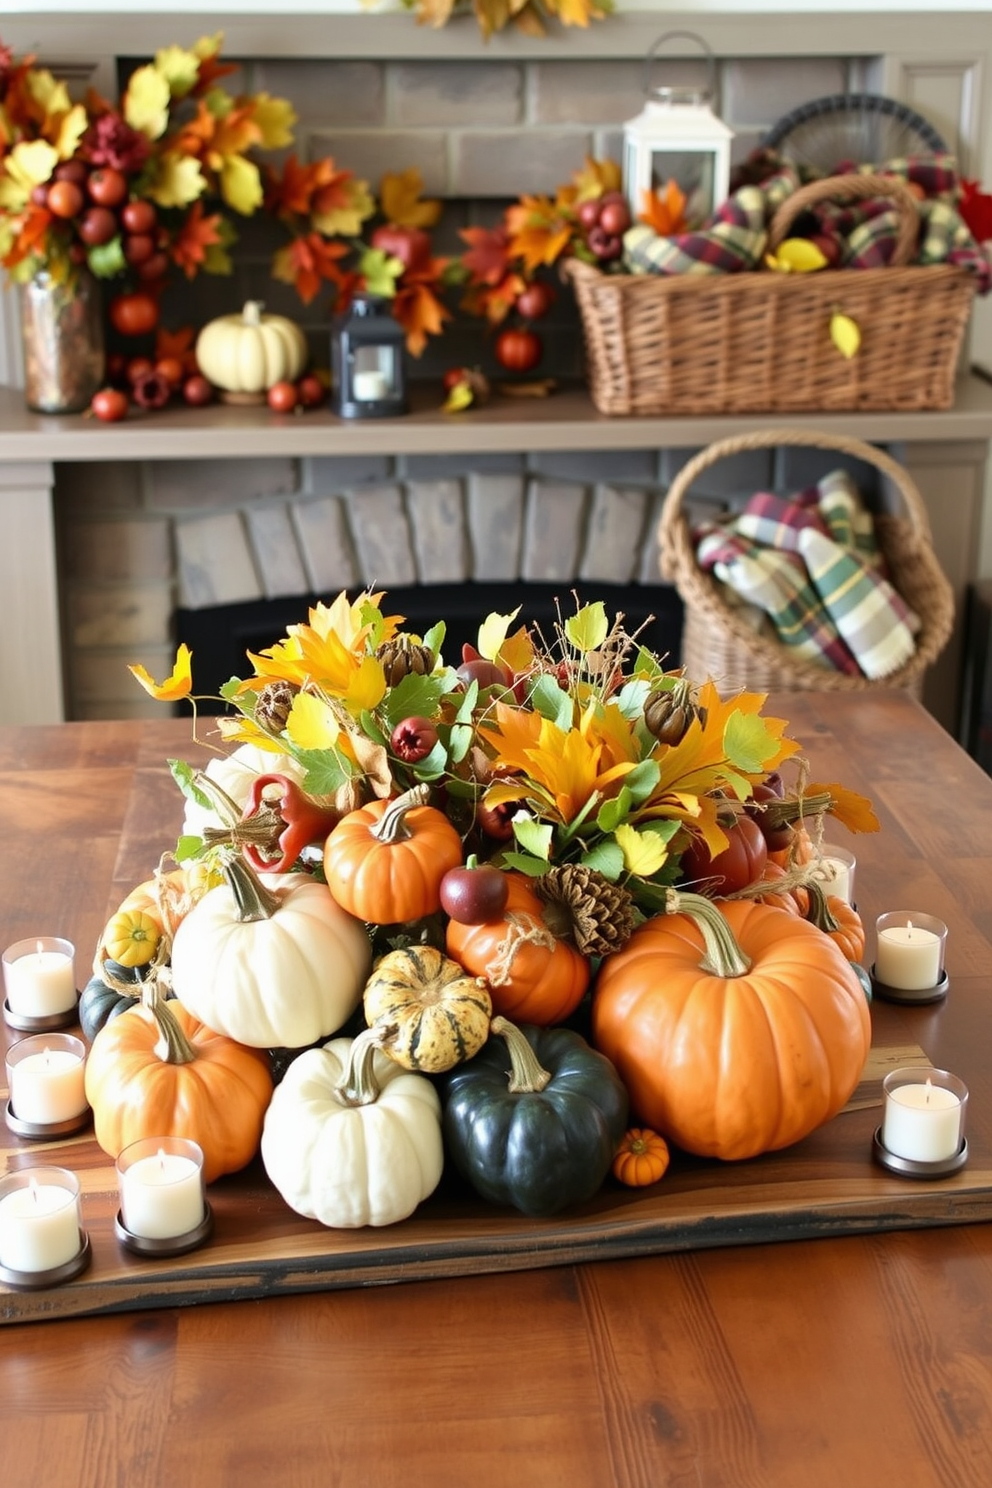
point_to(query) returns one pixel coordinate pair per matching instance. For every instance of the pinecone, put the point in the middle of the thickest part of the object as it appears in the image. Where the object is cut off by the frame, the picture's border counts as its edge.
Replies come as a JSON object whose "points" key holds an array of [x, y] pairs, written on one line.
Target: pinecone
{"points": [[668, 712], [403, 655], [585, 908], [274, 703]]}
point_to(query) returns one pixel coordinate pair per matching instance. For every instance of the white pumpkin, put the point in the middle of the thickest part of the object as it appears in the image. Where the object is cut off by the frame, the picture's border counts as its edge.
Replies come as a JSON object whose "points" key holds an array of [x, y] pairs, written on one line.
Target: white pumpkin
{"points": [[235, 773], [250, 352], [364, 1155], [284, 979]]}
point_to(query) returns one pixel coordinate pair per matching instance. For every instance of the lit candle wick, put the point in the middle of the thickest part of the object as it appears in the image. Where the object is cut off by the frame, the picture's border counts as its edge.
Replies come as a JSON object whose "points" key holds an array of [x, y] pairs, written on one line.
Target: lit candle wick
{"points": [[909, 936], [161, 1159], [40, 948], [33, 1191], [929, 1090]]}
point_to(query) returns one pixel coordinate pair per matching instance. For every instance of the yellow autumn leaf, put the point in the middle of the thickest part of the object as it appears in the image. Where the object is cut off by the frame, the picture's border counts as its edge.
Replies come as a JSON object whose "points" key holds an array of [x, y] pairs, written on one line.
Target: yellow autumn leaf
{"points": [[146, 102], [275, 118], [367, 687], [51, 95], [241, 184], [179, 180], [346, 221], [493, 632], [173, 688], [399, 199], [312, 723], [643, 852], [70, 132], [796, 256], [853, 810], [208, 46], [29, 164], [237, 729], [459, 397], [179, 67], [845, 333]]}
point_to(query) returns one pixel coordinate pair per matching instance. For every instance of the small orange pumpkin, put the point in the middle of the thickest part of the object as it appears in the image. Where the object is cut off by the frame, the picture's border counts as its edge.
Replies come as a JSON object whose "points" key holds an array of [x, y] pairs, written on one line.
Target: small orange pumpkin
{"points": [[384, 862], [641, 1158], [533, 976], [158, 1071], [838, 919], [779, 898]]}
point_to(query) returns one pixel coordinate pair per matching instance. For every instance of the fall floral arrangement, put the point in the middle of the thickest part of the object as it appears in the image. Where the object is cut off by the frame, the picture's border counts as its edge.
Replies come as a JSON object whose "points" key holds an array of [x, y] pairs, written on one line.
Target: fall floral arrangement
{"points": [[528, 16], [549, 886]]}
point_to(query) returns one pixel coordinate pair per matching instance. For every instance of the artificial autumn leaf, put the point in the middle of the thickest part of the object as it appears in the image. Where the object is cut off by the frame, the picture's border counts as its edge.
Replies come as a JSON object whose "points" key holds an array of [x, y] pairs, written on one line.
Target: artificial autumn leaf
{"points": [[537, 234], [848, 807], [493, 632], [71, 129], [400, 200], [380, 271], [190, 245], [179, 344], [588, 628], [664, 210], [975, 208], [146, 103], [173, 688], [344, 209], [308, 262], [218, 259], [180, 68], [488, 255], [845, 333], [596, 178], [460, 396], [29, 164], [435, 13], [179, 180], [274, 118], [420, 313], [292, 190], [241, 184], [312, 723], [796, 256], [207, 49], [643, 852]]}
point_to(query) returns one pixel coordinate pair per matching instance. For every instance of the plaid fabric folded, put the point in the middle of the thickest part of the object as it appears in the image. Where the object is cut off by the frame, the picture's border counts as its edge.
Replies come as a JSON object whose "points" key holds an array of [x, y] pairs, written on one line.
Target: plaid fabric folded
{"points": [[777, 521], [872, 618]]}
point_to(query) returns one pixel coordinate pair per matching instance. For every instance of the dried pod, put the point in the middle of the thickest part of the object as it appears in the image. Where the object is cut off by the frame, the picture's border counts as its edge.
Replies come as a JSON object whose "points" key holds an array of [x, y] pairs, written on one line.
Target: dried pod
{"points": [[403, 655]]}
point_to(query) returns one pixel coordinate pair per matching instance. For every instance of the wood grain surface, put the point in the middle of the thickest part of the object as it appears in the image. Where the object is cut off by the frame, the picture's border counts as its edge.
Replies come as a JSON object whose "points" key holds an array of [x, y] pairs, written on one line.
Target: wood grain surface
{"points": [[717, 1363]]}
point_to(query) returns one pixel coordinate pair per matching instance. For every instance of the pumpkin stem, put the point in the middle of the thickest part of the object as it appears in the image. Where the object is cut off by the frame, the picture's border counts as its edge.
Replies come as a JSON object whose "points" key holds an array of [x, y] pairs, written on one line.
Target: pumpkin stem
{"points": [[527, 1074], [819, 911], [358, 1085], [225, 806], [173, 1047], [392, 826], [521, 929], [252, 899], [723, 957]]}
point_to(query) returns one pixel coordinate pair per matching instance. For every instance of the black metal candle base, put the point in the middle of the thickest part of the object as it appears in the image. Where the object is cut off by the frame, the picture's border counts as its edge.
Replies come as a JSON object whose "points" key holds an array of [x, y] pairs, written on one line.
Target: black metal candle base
{"points": [[35, 1281], [172, 1246], [47, 1131], [909, 1167], [911, 996], [49, 1023]]}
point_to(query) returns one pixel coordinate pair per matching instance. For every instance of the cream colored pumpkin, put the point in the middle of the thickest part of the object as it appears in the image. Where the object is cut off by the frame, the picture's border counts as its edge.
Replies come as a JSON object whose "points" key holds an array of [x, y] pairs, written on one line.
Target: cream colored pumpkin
{"points": [[285, 979], [250, 352], [350, 1138]]}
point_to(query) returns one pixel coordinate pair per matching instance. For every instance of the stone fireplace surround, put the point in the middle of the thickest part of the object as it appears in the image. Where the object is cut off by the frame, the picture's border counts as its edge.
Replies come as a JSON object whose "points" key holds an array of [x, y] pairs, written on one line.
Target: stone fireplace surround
{"points": [[186, 520]]}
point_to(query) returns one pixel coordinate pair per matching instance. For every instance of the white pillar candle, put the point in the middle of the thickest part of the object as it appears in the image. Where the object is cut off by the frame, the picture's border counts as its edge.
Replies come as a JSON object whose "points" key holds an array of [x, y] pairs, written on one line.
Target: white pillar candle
{"points": [[39, 1220], [922, 1122], [369, 386], [161, 1188], [45, 1078], [39, 977], [908, 956], [835, 872]]}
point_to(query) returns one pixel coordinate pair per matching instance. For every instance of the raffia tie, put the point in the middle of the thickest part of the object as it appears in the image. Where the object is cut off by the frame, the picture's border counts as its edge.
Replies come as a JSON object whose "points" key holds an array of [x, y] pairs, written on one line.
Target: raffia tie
{"points": [[522, 930]]}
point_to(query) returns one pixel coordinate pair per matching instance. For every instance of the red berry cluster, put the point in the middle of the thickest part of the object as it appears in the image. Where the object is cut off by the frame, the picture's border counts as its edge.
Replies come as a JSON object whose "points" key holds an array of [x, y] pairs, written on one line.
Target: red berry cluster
{"points": [[604, 220], [94, 203], [149, 385]]}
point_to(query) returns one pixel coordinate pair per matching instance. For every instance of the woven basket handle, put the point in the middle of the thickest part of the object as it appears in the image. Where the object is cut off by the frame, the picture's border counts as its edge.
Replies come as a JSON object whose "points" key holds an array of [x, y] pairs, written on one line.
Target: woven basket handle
{"points": [[675, 539], [853, 188]]}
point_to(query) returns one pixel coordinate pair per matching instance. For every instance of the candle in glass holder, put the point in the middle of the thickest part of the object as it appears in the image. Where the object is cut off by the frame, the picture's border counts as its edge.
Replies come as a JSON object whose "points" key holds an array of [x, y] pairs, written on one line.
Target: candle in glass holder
{"points": [[909, 952], [39, 977], [161, 1187], [835, 871], [39, 1219], [924, 1114], [45, 1078]]}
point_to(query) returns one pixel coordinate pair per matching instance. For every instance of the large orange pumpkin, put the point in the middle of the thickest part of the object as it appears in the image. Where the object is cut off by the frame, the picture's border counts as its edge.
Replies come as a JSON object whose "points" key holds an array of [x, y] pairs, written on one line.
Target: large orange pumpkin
{"points": [[533, 976], [384, 862], [733, 1065]]}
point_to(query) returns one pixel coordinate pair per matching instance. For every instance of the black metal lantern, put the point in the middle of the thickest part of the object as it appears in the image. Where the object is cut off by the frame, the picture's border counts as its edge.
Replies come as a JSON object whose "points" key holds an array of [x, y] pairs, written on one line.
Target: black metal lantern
{"points": [[367, 361]]}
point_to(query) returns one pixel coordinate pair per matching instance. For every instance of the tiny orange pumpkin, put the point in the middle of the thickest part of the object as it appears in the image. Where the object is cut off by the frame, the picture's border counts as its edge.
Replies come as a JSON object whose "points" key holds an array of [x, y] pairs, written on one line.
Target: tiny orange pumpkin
{"points": [[641, 1158]]}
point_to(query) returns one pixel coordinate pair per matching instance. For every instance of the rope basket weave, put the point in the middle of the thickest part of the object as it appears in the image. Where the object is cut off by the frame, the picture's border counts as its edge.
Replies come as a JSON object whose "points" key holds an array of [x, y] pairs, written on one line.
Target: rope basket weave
{"points": [[759, 342], [717, 640]]}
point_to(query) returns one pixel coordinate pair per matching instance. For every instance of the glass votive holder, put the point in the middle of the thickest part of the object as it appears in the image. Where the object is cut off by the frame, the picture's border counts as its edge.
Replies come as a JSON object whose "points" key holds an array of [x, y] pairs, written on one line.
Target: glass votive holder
{"points": [[835, 871], [923, 1122], [42, 1242], [163, 1208], [46, 1094], [40, 984], [909, 957]]}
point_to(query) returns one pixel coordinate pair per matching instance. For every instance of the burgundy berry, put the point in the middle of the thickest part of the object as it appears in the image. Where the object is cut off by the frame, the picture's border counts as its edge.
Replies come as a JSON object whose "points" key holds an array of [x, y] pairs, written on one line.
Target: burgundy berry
{"points": [[413, 739], [474, 894]]}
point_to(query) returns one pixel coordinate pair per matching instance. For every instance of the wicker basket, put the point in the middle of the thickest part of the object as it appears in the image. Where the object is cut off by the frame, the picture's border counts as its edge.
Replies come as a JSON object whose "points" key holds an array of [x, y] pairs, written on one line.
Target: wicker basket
{"points": [[759, 342], [718, 642]]}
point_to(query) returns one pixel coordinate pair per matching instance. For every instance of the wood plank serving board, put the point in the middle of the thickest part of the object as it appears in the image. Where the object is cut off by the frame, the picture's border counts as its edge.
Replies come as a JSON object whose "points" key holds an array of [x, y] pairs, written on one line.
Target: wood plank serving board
{"points": [[826, 1185]]}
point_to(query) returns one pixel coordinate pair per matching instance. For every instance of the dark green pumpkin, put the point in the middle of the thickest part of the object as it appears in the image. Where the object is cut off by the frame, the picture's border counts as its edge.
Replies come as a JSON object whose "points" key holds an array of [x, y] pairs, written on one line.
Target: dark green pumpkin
{"points": [[102, 1000], [536, 1149]]}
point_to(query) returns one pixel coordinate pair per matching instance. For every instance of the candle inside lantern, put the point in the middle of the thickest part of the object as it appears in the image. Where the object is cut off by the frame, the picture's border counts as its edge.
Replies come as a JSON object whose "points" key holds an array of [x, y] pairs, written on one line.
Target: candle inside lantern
{"points": [[835, 872], [924, 1114], [909, 953], [45, 1078], [370, 385], [161, 1187], [39, 977], [39, 1219]]}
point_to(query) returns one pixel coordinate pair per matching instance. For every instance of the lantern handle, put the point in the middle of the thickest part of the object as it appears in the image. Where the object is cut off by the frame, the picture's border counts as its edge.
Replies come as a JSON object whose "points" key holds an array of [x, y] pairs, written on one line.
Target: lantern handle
{"points": [[666, 93]]}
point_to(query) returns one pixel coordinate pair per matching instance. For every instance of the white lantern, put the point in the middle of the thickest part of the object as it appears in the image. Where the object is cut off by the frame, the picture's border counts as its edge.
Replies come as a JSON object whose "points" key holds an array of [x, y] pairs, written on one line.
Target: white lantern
{"points": [[678, 138]]}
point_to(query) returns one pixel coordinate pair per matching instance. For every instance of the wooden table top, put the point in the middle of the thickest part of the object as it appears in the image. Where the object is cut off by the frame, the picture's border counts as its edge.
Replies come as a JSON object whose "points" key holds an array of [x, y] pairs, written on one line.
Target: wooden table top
{"points": [[813, 1362]]}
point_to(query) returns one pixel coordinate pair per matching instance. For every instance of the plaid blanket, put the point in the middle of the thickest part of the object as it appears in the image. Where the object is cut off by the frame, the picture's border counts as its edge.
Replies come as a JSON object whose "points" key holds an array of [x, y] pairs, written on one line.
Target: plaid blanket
{"points": [[857, 235], [810, 564]]}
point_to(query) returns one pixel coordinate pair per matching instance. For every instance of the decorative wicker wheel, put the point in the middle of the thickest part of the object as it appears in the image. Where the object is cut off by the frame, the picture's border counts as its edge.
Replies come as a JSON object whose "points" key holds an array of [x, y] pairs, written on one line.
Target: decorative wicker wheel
{"points": [[717, 640], [859, 127]]}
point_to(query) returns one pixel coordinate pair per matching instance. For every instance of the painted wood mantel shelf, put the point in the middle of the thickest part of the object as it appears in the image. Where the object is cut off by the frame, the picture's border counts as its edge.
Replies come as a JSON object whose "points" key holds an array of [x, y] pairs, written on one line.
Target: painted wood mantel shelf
{"points": [[945, 452]]}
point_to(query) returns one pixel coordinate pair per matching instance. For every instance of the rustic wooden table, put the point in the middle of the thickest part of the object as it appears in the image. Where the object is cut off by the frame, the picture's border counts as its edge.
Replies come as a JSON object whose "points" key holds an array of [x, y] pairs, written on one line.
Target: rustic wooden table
{"points": [[815, 1362]]}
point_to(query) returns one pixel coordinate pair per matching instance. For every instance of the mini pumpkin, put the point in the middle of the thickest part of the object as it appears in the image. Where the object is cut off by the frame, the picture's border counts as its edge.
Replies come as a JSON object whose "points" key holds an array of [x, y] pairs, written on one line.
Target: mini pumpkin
{"points": [[384, 862], [433, 1015], [249, 352], [642, 1158]]}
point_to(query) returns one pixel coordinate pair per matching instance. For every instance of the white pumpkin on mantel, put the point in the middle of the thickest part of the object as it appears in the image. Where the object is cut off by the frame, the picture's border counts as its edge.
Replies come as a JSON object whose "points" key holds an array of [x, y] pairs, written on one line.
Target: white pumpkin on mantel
{"points": [[244, 355]]}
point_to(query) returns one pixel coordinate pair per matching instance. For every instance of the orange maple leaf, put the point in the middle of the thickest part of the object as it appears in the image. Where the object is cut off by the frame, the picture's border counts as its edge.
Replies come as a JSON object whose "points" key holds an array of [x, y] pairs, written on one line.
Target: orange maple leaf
{"points": [[400, 200], [196, 134], [178, 344], [537, 233], [846, 806], [494, 302], [234, 134], [664, 210], [34, 225], [418, 310], [308, 262], [188, 248], [488, 255], [292, 191]]}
